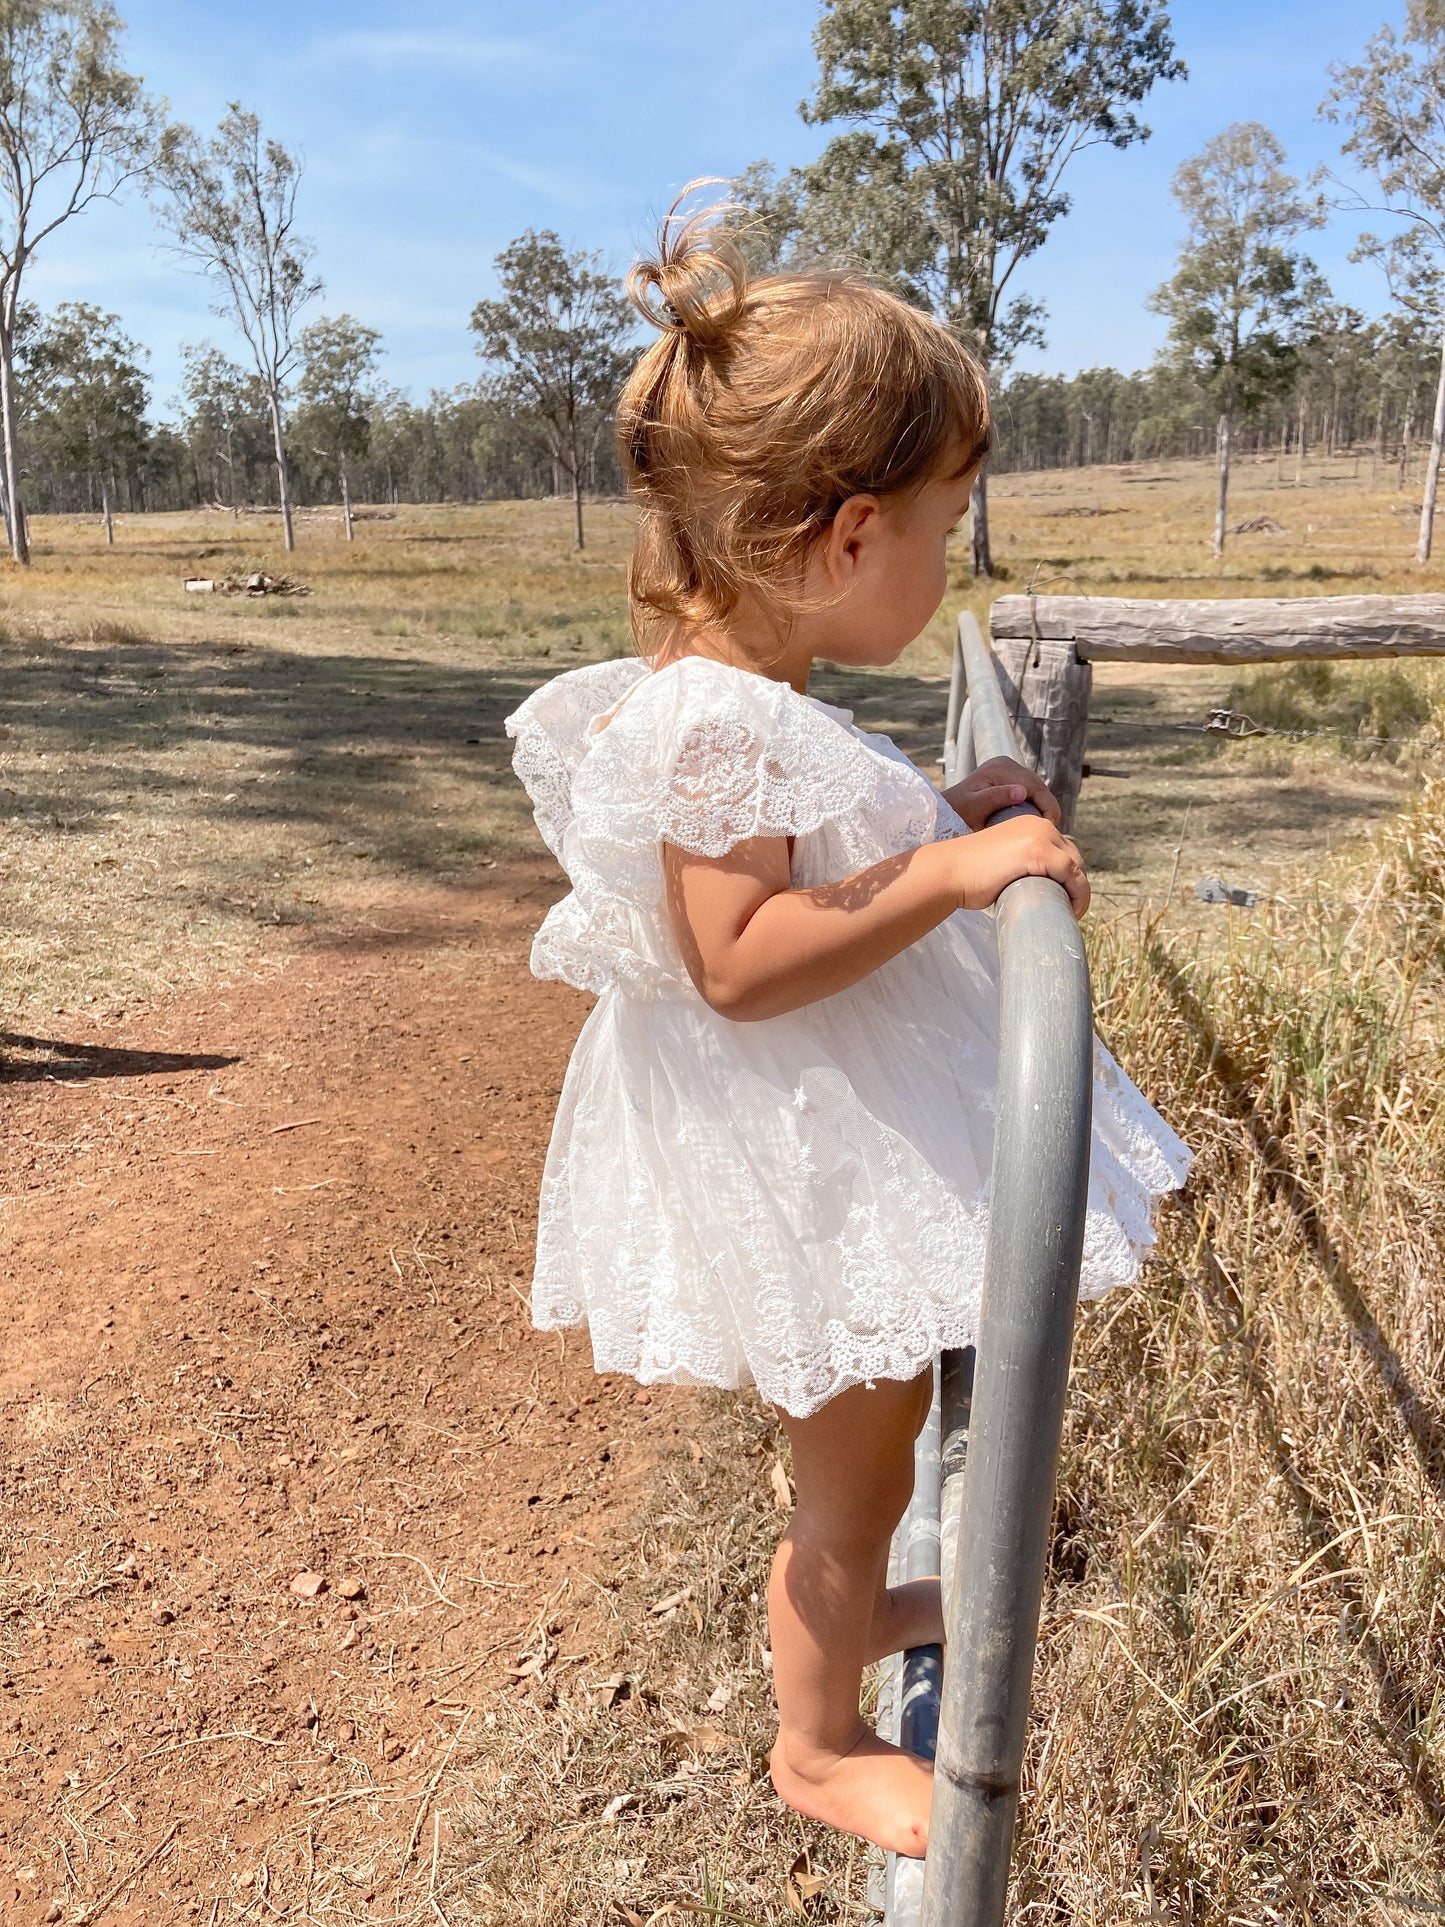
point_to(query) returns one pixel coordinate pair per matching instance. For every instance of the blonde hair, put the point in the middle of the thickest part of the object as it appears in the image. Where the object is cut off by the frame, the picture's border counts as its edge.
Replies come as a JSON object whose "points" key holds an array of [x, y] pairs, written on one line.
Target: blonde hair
{"points": [[764, 405]]}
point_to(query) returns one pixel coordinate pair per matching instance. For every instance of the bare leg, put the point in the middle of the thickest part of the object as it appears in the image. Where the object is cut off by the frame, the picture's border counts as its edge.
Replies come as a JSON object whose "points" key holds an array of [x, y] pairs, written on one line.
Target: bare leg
{"points": [[906, 1616], [828, 1607]]}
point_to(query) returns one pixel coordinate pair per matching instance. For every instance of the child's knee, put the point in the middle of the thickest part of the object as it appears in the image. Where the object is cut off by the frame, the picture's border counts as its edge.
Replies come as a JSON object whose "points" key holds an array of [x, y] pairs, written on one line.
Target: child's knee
{"points": [[923, 1389]]}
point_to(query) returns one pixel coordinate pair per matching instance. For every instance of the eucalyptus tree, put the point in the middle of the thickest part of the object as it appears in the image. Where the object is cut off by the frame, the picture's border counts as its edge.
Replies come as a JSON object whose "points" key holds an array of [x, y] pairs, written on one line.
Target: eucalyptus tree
{"points": [[339, 361], [226, 425], [1240, 283], [557, 341], [962, 118], [87, 393], [230, 206], [75, 127], [1392, 102]]}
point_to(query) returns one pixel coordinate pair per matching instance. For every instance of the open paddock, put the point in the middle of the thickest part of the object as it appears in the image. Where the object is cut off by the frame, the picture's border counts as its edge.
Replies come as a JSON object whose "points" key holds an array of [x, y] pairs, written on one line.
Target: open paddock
{"points": [[277, 1086]]}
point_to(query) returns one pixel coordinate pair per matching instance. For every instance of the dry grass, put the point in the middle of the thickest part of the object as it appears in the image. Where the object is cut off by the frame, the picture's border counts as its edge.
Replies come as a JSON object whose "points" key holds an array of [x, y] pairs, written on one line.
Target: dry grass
{"points": [[179, 775], [1238, 1706], [1144, 530]]}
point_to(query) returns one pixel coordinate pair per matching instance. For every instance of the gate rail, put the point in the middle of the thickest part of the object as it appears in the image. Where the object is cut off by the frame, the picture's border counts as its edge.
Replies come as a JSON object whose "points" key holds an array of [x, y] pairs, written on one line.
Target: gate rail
{"points": [[988, 1458]]}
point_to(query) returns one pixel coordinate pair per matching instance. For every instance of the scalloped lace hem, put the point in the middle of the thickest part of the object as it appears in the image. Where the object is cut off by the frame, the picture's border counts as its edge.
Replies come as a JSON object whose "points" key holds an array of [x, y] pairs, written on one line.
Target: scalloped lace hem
{"points": [[843, 1358]]}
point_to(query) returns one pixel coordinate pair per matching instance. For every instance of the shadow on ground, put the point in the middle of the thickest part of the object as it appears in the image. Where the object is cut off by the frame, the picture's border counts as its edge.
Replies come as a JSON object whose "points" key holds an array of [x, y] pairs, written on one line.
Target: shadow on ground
{"points": [[344, 745], [339, 743], [51, 1060]]}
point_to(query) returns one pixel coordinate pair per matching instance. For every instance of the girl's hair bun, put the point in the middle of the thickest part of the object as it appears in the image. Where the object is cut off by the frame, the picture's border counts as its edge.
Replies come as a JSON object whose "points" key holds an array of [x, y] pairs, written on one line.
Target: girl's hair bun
{"points": [[698, 282], [764, 404]]}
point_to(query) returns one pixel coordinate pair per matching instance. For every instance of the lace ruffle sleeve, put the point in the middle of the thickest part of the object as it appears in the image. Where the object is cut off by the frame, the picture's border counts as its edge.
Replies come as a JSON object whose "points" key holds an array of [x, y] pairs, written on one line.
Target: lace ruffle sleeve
{"points": [[553, 732], [705, 757]]}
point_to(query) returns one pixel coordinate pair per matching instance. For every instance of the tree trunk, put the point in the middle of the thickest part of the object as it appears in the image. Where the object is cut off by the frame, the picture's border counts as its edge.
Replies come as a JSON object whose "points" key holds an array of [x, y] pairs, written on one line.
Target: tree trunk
{"points": [[978, 533], [1432, 467], [1283, 444], [278, 434], [1405, 438], [5, 506], [9, 429], [576, 454], [1379, 455], [1299, 447], [1226, 435], [346, 502], [105, 511]]}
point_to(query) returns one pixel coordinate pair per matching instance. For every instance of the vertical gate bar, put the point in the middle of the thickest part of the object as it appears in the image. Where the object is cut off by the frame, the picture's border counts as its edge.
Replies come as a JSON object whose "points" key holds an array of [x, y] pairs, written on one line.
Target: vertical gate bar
{"points": [[1031, 1273], [956, 1370], [917, 1674], [956, 728], [923, 1666]]}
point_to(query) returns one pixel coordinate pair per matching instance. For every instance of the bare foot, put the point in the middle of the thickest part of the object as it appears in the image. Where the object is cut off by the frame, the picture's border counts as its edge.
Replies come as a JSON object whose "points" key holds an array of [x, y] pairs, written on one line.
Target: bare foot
{"points": [[906, 1616], [873, 1790]]}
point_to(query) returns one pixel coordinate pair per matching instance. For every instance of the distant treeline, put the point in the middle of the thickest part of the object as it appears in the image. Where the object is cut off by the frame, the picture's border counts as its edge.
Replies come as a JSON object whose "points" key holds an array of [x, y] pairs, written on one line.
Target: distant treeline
{"points": [[75, 366], [1358, 385]]}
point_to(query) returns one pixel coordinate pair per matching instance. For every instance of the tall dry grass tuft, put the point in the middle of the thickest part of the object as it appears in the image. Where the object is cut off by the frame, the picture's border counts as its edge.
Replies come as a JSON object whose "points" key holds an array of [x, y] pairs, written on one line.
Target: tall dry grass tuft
{"points": [[1238, 1712]]}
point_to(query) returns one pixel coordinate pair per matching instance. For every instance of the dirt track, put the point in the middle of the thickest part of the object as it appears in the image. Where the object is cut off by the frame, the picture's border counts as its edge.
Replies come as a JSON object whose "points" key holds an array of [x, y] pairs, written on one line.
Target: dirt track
{"points": [[265, 1262]]}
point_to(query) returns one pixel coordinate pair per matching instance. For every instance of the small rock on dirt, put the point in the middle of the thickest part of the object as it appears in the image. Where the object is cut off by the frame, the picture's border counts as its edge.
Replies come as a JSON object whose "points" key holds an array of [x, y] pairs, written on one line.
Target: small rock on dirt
{"points": [[309, 1585], [352, 1589]]}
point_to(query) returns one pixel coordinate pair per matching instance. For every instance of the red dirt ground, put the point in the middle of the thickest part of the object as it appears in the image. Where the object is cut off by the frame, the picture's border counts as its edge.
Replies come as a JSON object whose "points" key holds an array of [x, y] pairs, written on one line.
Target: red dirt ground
{"points": [[266, 1257]]}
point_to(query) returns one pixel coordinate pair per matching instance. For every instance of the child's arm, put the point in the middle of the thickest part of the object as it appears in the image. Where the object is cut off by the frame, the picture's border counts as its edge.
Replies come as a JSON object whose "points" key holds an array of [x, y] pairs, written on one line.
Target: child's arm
{"points": [[755, 947]]}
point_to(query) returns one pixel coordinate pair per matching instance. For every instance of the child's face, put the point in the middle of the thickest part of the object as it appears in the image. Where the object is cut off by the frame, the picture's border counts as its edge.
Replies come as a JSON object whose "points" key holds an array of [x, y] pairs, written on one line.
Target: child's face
{"points": [[885, 563]]}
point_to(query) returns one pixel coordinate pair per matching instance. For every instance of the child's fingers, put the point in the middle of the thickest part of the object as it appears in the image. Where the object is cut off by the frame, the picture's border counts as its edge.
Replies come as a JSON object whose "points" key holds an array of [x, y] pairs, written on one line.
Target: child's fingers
{"points": [[1074, 877], [1041, 796], [1002, 782], [988, 799]]}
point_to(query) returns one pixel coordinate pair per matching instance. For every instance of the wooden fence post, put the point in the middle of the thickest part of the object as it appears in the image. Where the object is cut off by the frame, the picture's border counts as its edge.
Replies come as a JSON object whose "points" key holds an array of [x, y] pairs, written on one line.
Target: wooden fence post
{"points": [[1046, 687]]}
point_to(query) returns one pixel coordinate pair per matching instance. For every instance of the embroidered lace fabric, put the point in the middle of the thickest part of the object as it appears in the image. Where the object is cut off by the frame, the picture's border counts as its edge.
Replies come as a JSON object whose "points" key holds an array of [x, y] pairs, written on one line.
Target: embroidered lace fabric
{"points": [[799, 1203]]}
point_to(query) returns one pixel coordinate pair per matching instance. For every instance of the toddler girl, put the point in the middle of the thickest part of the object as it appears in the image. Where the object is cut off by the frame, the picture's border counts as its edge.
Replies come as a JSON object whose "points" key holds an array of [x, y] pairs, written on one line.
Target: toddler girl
{"points": [[771, 1157]]}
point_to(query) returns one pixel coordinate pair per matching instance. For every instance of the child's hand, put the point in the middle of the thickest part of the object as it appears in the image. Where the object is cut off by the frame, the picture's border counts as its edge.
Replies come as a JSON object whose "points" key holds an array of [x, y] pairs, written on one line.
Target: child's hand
{"points": [[996, 784], [1026, 846]]}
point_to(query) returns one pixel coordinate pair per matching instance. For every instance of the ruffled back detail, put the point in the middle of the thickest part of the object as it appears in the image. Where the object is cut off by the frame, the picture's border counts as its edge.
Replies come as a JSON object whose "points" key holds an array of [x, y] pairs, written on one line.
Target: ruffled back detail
{"points": [[619, 760], [553, 732]]}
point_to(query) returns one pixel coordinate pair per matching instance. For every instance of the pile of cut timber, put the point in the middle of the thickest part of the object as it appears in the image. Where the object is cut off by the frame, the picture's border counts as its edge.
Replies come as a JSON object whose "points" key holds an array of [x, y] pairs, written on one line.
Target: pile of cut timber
{"points": [[258, 584]]}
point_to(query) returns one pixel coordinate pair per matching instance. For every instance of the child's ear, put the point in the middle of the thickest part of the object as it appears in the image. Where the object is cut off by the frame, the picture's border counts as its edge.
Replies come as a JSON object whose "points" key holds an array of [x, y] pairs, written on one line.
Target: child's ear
{"points": [[850, 529]]}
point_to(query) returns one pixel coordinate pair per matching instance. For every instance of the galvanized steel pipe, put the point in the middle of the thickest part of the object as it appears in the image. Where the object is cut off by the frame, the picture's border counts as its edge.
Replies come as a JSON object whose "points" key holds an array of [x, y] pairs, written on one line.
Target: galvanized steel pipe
{"points": [[1031, 1277]]}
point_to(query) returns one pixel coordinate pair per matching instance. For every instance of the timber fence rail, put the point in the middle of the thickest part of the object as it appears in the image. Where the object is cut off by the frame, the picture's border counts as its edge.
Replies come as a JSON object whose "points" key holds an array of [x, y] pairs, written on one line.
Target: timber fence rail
{"points": [[1046, 646]]}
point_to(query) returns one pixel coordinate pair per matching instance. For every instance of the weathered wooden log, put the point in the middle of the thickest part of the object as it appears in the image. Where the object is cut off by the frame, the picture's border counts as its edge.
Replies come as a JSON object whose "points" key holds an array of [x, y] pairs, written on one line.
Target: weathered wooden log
{"points": [[1245, 629], [1046, 687]]}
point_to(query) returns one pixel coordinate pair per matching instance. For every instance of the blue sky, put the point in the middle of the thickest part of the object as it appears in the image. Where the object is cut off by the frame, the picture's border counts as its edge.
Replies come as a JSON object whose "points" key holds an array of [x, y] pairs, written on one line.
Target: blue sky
{"points": [[436, 132]]}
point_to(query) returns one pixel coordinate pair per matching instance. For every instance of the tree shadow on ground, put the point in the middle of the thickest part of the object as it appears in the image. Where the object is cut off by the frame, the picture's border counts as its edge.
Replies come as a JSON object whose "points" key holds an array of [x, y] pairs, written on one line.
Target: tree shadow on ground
{"points": [[349, 747], [402, 760], [50, 1060], [333, 743]]}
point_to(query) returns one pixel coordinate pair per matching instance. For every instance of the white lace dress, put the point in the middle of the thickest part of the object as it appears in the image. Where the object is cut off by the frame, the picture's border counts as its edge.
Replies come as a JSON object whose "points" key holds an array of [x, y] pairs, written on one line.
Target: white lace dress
{"points": [[800, 1202]]}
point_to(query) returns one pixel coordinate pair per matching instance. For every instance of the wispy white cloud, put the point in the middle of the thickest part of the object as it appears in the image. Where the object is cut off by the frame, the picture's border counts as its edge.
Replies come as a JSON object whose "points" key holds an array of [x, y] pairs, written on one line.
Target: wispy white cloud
{"points": [[567, 189], [387, 153], [475, 52]]}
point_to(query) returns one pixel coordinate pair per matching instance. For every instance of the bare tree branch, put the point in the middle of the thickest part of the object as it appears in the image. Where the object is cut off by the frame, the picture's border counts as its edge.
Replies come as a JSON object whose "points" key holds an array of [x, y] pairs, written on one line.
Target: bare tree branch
{"points": [[230, 206]]}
